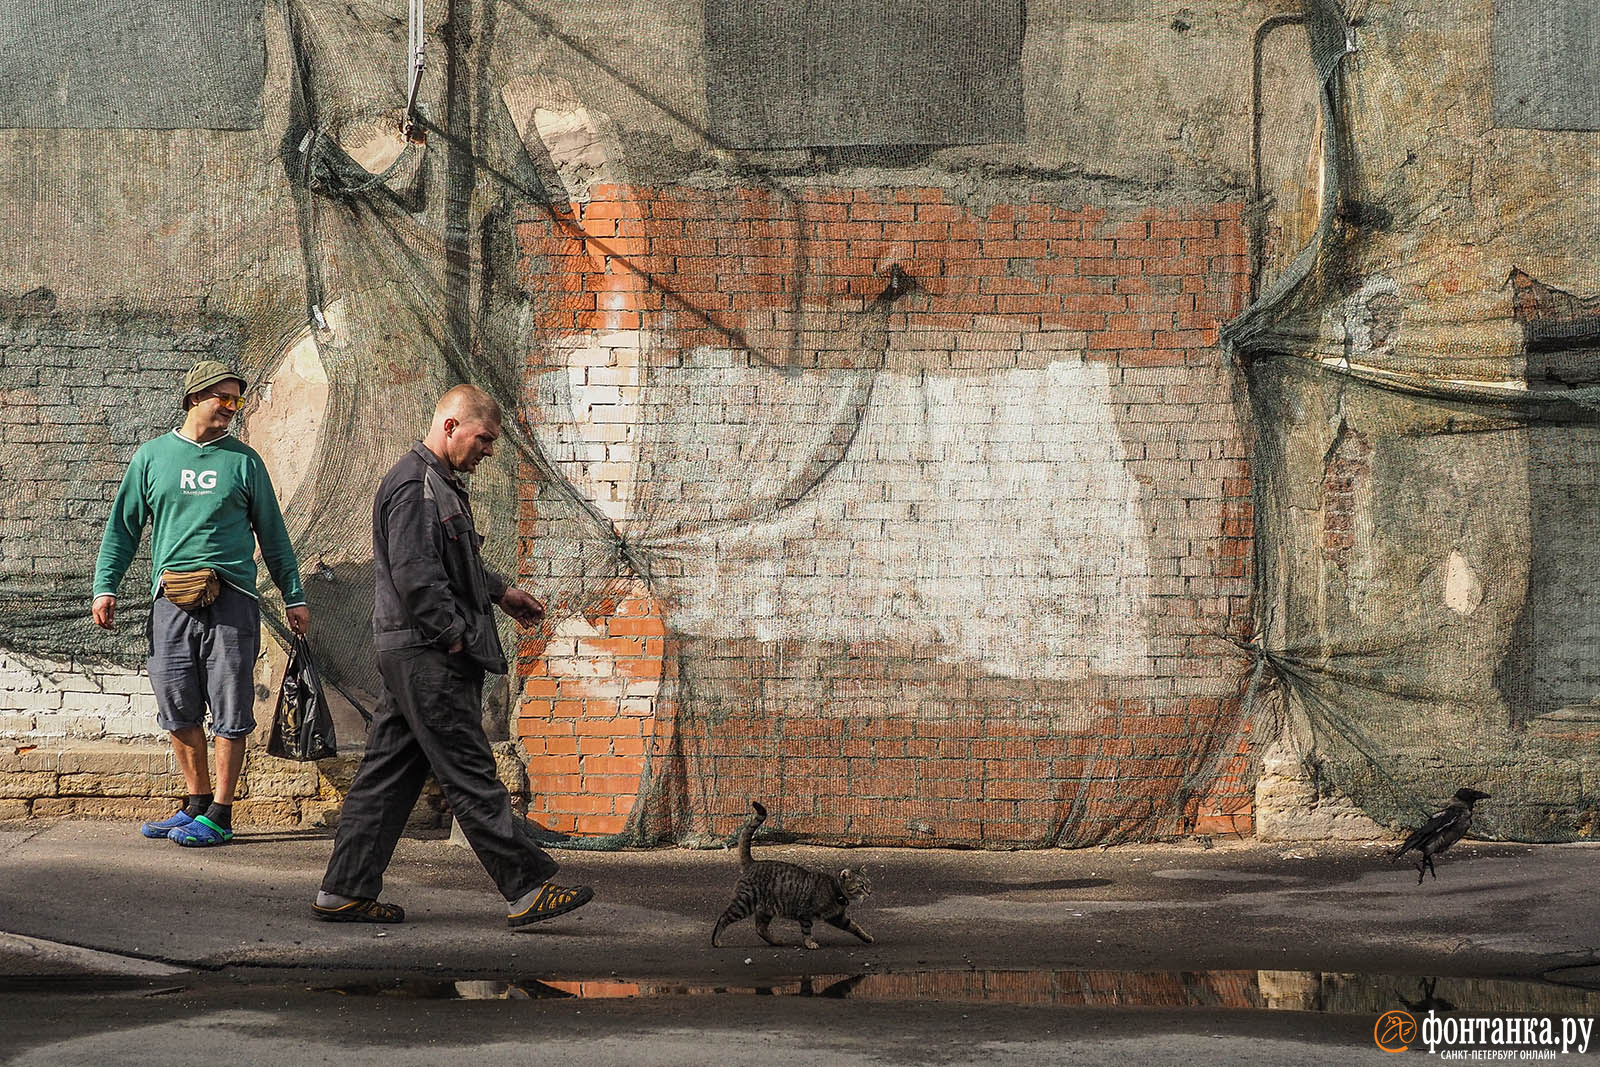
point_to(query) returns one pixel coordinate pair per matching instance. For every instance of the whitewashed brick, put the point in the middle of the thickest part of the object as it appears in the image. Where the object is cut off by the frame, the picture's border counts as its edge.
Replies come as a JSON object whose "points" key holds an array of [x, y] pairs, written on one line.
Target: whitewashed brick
{"points": [[132, 725], [126, 683], [94, 703], [26, 700], [72, 681], [80, 725]]}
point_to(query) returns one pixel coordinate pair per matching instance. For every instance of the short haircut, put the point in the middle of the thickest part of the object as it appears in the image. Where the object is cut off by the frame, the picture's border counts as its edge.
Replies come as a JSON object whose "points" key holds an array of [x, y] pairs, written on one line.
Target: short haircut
{"points": [[468, 403]]}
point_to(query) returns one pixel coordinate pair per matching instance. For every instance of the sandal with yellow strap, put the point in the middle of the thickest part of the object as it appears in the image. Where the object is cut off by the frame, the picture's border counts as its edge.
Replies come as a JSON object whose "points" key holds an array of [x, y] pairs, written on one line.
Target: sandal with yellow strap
{"points": [[361, 910], [546, 902]]}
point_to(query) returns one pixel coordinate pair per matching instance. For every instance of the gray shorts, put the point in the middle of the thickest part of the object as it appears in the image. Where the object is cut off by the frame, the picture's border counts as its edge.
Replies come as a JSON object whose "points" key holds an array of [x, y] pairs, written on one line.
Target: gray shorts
{"points": [[206, 657]]}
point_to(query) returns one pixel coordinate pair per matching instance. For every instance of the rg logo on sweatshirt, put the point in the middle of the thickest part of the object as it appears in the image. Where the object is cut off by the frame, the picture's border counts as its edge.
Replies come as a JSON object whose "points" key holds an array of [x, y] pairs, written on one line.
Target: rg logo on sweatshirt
{"points": [[195, 481]]}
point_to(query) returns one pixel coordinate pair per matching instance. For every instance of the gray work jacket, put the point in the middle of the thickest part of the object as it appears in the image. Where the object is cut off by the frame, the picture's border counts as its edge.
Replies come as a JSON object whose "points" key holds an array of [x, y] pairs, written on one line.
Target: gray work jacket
{"points": [[432, 588]]}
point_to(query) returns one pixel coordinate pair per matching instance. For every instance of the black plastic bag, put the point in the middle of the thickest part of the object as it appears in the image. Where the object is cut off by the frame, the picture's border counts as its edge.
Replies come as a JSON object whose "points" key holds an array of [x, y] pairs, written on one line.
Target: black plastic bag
{"points": [[302, 727]]}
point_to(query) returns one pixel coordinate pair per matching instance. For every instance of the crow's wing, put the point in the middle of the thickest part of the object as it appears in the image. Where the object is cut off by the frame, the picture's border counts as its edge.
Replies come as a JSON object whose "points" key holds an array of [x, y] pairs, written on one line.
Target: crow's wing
{"points": [[1450, 834], [1426, 830]]}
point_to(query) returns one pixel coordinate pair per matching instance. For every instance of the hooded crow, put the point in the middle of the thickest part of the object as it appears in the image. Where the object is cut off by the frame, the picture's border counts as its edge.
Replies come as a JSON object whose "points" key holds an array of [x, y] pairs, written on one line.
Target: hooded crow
{"points": [[1441, 831]]}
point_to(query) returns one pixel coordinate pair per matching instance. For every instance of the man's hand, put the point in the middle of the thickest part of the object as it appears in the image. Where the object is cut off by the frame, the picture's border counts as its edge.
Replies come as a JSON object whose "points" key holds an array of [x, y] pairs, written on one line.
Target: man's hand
{"points": [[522, 607], [105, 611], [299, 618]]}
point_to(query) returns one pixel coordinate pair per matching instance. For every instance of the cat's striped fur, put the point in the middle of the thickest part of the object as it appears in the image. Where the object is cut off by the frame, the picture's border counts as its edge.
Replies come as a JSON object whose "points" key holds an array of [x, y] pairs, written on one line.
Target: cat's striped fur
{"points": [[770, 889]]}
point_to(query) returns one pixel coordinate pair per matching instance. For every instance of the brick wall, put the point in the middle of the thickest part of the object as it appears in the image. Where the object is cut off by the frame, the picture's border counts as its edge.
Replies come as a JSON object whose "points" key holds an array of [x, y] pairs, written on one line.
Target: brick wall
{"points": [[78, 394], [588, 713], [986, 602], [77, 779], [42, 698]]}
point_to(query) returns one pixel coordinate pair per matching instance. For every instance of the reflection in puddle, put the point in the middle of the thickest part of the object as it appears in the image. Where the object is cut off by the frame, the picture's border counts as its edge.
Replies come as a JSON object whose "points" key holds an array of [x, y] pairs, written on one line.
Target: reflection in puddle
{"points": [[1243, 989]]}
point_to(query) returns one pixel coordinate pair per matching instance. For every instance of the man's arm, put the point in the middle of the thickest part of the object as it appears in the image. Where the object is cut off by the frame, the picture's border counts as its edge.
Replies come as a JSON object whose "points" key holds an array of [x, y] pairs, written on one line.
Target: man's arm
{"points": [[130, 511], [273, 536], [413, 536], [496, 581], [521, 606]]}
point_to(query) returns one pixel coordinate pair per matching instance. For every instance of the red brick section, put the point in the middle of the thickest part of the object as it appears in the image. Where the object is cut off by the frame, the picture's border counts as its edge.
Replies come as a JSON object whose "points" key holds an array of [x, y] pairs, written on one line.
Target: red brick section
{"points": [[588, 713], [1147, 289], [1348, 466]]}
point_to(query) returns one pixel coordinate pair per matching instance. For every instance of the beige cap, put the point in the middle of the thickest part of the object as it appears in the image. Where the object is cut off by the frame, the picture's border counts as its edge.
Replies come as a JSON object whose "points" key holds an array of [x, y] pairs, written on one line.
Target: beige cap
{"points": [[209, 372]]}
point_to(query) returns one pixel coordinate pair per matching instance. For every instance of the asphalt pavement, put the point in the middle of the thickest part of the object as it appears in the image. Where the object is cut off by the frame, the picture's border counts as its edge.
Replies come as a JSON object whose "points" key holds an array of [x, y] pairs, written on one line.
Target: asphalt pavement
{"points": [[114, 949]]}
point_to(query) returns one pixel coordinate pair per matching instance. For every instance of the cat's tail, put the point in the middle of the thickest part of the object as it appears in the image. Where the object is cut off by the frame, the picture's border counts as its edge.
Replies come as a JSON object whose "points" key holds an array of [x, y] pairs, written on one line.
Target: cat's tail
{"points": [[749, 832]]}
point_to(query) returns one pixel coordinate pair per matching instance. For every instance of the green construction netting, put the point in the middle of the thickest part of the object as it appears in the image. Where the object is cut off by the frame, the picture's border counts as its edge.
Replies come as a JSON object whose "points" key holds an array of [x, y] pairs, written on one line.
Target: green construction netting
{"points": [[1413, 376]]}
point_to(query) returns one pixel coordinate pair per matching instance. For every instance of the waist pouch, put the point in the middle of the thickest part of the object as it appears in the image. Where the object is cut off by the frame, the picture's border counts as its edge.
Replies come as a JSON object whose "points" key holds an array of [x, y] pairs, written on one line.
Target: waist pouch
{"points": [[191, 590]]}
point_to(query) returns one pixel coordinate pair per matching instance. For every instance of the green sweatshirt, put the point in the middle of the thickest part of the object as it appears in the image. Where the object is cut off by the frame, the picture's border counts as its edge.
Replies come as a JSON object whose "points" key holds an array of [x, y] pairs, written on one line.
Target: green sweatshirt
{"points": [[208, 504]]}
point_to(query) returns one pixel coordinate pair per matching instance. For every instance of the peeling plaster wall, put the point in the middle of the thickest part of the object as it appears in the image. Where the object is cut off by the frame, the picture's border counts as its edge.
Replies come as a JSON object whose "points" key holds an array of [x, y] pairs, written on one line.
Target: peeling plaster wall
{"points": [[1429, 565], [1436, 603], [1039, 526], [1442, 202], [285, 416], [1149, 94]]}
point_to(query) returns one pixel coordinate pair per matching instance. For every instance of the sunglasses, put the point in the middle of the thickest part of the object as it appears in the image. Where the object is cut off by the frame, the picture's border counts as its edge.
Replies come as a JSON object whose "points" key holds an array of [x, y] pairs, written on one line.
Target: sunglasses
{"points": [[231, 403]]}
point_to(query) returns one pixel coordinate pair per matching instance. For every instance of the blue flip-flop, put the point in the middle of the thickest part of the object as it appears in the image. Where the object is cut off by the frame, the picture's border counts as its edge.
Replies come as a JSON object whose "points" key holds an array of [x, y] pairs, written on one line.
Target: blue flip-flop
{"points": [[201, 832], [155, 830]]}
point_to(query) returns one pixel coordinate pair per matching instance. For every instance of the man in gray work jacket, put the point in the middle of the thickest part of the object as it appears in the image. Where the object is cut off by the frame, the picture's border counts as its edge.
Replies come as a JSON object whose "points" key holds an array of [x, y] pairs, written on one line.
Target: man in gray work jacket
{"points": [[434, 630]]}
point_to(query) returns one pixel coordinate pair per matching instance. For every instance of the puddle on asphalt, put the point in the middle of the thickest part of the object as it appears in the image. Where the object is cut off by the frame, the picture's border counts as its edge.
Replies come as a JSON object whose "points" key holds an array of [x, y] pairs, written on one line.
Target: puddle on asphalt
{"points": [[90, 984], [1242, 989]]}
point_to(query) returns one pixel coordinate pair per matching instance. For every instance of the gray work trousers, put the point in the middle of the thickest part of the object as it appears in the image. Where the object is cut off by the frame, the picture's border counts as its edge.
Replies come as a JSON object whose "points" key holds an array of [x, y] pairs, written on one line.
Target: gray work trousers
{"points": [[428, 719]]}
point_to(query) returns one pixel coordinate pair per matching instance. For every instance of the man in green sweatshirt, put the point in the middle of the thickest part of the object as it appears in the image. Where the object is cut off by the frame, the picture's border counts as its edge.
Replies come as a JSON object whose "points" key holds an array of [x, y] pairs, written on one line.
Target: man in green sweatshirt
{"points": [[208, 501]]}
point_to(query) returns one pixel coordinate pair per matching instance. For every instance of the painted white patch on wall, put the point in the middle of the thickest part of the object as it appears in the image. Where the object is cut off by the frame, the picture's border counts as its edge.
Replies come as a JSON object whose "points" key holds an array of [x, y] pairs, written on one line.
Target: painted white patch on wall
{"points": [[992, 517], [581, 143], [1462, 590], [577, 650], [288, 409], [375, 143], [589, 414], [1367, 322], [46, 698]]}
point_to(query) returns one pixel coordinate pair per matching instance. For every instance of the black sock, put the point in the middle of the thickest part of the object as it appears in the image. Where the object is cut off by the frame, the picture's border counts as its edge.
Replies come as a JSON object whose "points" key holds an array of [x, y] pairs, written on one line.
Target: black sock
{"points": [[197, 804], [221, 815]]}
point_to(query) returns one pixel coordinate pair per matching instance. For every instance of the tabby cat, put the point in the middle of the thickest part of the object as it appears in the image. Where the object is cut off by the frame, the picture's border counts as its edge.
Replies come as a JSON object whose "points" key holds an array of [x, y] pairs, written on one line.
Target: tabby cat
{"points": [[769, 889]]}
